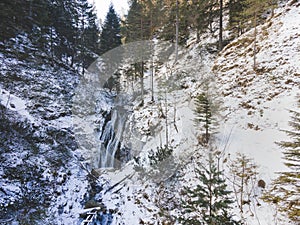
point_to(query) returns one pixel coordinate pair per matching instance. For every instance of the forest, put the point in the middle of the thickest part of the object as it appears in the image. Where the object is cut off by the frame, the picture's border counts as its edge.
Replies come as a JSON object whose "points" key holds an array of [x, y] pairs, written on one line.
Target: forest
{"points": [[178, 112]]}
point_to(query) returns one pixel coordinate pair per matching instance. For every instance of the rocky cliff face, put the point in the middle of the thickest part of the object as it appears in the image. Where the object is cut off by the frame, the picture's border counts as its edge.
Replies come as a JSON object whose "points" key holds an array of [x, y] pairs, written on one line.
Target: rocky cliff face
{"points": [[39, 167]]}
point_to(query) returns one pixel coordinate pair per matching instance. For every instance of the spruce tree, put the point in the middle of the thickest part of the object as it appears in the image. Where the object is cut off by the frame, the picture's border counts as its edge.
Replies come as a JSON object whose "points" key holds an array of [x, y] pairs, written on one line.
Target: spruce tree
{"points": [[162, 162], [204, 116], [61, 21], [209, 201], [65, 30], [246, 14], [7, 18], [137, 22], [138, 28], [175, 16], [235, 22], [285, 190], [110, 37], [253, 13], [91, 37]]}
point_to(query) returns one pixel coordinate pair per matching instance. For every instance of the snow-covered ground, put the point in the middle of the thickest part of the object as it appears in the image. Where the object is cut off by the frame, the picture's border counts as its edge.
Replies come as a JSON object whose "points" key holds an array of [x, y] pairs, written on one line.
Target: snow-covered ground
{"points": [[257, 101], [15, 103], [40, 176], [254, 112], [255, 107]]}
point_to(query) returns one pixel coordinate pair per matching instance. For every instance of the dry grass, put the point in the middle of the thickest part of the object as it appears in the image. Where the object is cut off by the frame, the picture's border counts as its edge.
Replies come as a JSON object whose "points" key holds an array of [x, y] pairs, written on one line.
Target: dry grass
{"points": [[246, 105]]}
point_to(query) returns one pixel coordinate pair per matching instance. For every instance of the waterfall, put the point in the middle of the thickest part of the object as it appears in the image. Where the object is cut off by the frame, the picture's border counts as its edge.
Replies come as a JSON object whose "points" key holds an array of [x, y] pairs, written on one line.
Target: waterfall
{"points": [[111, 137], [100, 125]]}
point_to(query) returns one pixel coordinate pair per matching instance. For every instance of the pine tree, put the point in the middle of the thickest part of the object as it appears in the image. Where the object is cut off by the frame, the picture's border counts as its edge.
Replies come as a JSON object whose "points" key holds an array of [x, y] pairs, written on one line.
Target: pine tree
{"points": [[17, 16], [204, 115], [285, 190], [83, 8], [236, 7], [138, 28], [61, 30], [110, 37], [159, 155], [91, 37], [209, 202], [162, 163], [7, 20], [252, 13], [153, 26], [137, 22], [175, 16], [247, 14]]}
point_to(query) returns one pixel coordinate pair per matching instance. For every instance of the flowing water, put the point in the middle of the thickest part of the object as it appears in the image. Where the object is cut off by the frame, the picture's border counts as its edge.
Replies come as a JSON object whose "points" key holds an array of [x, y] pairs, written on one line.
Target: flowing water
{"points": [[113, 150]]}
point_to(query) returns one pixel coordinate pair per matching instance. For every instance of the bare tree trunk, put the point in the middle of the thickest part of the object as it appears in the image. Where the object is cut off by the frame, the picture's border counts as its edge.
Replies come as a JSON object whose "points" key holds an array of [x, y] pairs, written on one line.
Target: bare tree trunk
{"points": [[142, 68], [221, 26], [166, 119], [211, 17], [273, 5], [82, 40], [206, 126], [254, 45], [160, 140], [152, 56], [51, 45], [242, 190], [8, 99], [152, 80], [197, 35], [177, 32], [174, 118], [210, 193], [30, 9], [142, 82]]}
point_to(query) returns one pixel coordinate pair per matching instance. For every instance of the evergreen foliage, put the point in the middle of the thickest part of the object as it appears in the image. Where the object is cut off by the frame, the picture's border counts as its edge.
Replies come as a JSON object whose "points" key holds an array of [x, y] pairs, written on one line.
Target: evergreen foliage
{"points": [[285, 190], [169, 27], [209, 202], [246, 14], [110, 36], [162, 163], [137, 23], [204, 115], [65, 30], [236, 7], [160, 155], [253, 11], [138, 27]]}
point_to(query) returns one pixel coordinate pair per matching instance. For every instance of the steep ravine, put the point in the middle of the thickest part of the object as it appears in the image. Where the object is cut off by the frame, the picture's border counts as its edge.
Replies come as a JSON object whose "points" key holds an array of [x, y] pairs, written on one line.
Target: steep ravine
{"points": [[40, 174], [47, 177], [254, 105]]}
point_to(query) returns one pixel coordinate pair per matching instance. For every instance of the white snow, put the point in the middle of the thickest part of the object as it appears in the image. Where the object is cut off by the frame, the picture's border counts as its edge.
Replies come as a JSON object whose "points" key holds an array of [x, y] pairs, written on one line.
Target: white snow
{"points": [[15, 103], [255, 111]]}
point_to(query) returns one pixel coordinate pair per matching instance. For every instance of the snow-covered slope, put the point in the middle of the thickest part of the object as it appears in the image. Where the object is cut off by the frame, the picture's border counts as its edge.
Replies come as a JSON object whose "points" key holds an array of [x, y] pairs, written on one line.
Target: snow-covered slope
{"points": [[40, 176], [254, 112], [257, 100], [42, 173]]}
